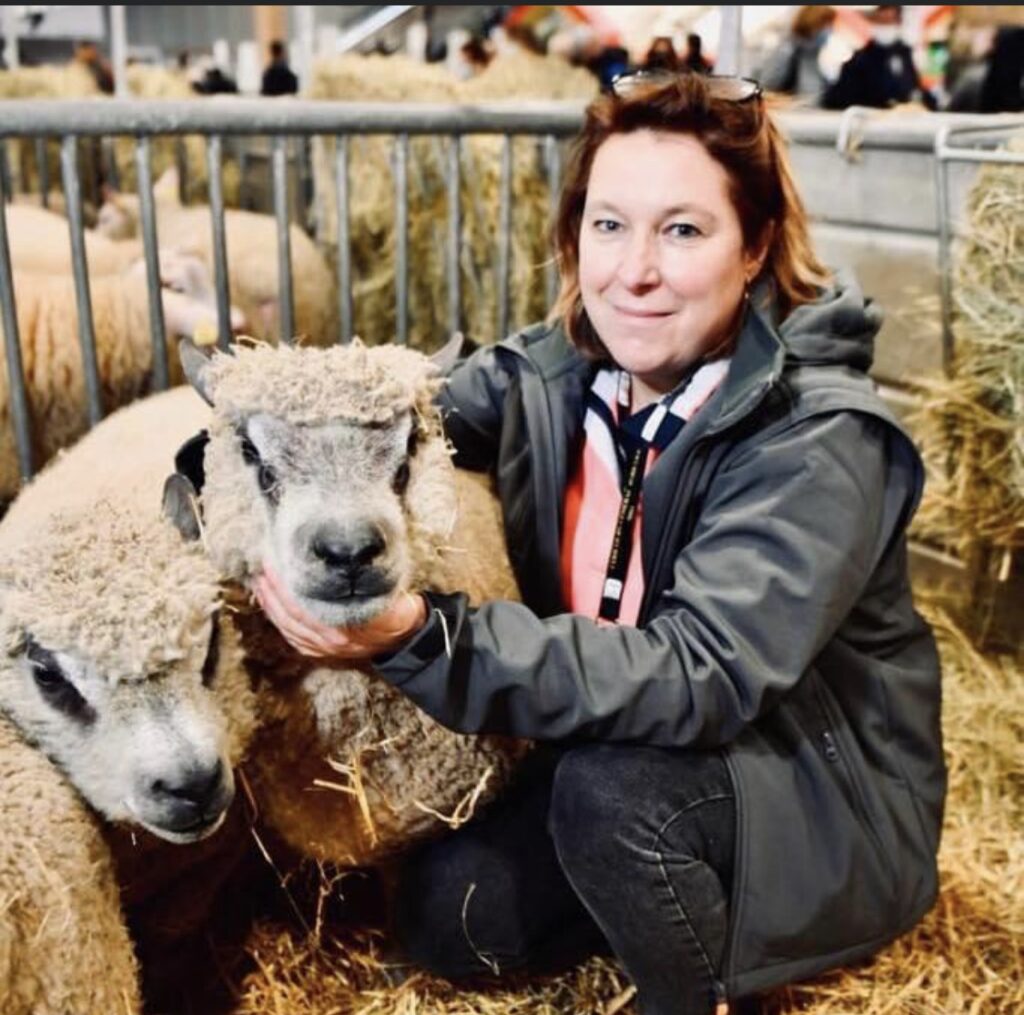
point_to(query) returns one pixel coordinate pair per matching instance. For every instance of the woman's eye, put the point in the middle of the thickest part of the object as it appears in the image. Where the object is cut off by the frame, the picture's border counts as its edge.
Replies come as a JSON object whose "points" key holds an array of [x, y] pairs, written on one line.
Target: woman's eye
{"points": [[607, 225], [683, 230]]}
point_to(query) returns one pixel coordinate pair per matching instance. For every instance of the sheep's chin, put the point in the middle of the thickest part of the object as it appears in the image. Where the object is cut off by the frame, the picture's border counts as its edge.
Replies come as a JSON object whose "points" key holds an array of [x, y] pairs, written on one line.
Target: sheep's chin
{"points": [[350, 612], [192, 835]]}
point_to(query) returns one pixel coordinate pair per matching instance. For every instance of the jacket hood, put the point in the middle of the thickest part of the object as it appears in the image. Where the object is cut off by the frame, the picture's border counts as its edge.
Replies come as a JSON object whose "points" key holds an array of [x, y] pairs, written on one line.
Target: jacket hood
{"points": [[837, 329]]}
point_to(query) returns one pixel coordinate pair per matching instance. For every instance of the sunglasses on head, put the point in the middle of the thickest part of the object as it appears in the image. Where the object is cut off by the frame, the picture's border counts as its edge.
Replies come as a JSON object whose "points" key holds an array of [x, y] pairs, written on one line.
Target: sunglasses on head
{"points": [[719, 86]]}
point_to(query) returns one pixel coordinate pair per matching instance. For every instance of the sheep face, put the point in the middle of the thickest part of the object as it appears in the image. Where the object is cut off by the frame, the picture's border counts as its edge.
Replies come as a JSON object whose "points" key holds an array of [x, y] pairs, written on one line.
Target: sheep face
{"points": [[331, 502], [117, 669], [330, 466]]}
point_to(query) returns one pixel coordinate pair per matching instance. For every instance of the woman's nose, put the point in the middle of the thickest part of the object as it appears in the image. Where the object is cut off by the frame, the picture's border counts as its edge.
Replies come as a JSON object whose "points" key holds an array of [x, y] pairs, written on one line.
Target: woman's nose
{"points": [[638, 269]]}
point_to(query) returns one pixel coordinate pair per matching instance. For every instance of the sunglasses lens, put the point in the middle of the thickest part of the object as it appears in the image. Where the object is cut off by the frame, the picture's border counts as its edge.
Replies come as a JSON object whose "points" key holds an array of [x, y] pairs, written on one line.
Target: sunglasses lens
{"points": [[733, 89], [729, 89]]}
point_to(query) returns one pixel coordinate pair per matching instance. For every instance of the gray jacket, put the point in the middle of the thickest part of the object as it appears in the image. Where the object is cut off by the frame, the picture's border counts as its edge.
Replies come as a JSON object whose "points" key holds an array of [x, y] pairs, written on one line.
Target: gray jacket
{"points": [[777, 623]]}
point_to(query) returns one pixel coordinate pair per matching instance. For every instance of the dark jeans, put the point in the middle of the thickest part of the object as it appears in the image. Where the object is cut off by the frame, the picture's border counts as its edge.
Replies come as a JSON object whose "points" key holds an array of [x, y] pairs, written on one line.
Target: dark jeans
{"points": [[596, 846]]}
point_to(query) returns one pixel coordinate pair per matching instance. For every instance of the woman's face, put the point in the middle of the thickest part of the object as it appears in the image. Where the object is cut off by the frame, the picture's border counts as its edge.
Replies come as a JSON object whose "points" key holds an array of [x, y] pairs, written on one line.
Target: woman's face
{"points": [[662, 265]]}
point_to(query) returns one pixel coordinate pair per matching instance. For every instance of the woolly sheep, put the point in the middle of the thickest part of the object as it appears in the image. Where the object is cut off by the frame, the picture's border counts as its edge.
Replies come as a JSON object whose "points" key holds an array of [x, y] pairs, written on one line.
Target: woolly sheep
{"points": [[114, 665], [52, 358], [64, 946], [315, 448], [252, 260], [40, 242]]}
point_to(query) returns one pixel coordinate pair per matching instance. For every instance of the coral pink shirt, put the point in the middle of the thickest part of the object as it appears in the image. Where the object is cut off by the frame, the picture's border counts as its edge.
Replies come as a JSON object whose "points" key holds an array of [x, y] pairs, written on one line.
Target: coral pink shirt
{"points": [[593, 496]]}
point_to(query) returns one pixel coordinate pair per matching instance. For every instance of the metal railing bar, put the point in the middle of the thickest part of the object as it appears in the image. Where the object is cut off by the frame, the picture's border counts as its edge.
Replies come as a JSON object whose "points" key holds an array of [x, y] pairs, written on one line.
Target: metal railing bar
{"points": [[79, 267], [454, 181], [222, 282], [504, 237], [284, 252], [401, 158], [12, 349], [43, 167], [35, 117], [344, 239], [553, 162], [147, 215]]}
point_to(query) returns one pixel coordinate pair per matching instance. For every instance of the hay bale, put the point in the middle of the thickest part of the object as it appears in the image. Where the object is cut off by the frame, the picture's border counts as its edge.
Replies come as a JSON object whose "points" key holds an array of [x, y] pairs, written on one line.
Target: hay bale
{"points": [[64, 81], [372, 204], [965, 956], [972, 424]]}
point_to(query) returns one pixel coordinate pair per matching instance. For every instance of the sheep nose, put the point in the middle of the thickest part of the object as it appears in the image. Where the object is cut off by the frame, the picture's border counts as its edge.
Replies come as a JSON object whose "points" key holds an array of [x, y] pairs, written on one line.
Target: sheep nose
{"points": [[198, 787], [353, 549]]}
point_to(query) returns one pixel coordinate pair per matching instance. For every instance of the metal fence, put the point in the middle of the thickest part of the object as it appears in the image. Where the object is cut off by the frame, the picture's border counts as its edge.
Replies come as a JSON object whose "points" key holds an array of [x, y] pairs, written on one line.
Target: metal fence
{"points": [[280, 120]]}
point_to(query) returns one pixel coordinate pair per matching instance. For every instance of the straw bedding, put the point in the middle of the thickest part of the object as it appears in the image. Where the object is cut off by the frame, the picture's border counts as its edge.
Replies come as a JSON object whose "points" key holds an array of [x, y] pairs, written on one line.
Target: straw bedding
{"points": [[965, 956]]}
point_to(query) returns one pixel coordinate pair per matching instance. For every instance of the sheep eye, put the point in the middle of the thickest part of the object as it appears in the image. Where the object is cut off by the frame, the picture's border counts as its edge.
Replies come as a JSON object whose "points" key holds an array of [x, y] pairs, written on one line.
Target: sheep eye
{"points": [[250, 455], [401, 480], [265, 474], [55, 688], [212, 652], [267, 479]]}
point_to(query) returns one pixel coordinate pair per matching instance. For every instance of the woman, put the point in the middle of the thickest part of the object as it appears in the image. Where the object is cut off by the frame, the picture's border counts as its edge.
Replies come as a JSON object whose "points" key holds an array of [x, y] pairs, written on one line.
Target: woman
{"points": [[705, 503]]}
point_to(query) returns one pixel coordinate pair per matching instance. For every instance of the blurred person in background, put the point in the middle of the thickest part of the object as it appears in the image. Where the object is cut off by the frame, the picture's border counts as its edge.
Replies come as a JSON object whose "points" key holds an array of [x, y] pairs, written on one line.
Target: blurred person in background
{"points": [[88, 55], [279, 78], [694, 59], [476, 56], [1002, 88], [882, 72], [793, 66], [661, 56], [208, 79]]}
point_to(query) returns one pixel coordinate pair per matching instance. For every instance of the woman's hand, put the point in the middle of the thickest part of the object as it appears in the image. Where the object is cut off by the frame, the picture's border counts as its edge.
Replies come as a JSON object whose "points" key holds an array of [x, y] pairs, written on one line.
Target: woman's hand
{"points": [[385, 632]]}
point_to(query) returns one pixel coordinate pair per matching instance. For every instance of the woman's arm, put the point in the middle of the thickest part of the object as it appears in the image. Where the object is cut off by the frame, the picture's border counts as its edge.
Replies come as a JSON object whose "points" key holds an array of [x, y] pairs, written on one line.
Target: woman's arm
{"points": [[787, 541], [471, 404]]}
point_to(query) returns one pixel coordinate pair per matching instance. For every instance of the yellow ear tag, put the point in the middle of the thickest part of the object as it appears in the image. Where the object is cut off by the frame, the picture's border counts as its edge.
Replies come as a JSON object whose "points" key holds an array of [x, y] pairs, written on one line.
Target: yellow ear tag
{"points": [[205, 334]]}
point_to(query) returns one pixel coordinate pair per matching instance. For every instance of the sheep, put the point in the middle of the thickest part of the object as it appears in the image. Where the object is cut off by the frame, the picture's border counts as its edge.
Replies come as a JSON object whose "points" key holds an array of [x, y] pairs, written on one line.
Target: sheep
{"points": [[345, 444], [117, 666], [51, 355], [39, 242], [252, 260], [64, 946]]}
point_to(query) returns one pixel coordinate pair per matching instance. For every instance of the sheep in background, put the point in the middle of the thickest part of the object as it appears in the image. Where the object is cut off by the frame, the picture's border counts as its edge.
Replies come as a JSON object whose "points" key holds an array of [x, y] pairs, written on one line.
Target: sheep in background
{"points": [[252, 259], [116, 666], [316, 456], [40, 242], [56, 205], [52, 358]]}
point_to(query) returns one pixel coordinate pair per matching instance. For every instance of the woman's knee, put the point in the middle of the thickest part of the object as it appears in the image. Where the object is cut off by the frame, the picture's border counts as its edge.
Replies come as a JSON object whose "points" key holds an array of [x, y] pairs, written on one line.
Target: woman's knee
{"points": [[455, 914], [615, 804], [592, 798]]}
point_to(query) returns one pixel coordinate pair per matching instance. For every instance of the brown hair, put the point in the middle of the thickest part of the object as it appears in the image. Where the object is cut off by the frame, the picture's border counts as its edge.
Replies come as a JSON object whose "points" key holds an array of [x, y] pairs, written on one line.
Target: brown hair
{"points": [[742, 138]]}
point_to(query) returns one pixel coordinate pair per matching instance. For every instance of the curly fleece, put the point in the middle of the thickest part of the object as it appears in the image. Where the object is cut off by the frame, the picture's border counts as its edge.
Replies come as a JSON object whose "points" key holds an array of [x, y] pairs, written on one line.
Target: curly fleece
{"points": [[138, 598], [405, 765]]}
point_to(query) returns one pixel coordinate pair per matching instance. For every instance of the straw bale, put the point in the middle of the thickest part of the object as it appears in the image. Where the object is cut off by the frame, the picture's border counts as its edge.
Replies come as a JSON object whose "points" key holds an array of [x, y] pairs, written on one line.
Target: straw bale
{"points": [[372, 199], [965, 956], [160, 83], [971, 426]]}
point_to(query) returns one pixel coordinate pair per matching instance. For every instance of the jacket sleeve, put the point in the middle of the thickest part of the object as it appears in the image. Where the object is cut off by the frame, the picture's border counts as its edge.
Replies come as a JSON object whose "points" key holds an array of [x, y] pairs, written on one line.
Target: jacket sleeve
{"points": [[788, 538], [471, 403]]}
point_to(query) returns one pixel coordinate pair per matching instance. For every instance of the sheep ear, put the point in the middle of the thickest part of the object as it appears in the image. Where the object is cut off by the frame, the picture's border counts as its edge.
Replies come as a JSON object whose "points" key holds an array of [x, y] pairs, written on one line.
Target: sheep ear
{"points": [[180, 506], [445, 359], [196, 364]]}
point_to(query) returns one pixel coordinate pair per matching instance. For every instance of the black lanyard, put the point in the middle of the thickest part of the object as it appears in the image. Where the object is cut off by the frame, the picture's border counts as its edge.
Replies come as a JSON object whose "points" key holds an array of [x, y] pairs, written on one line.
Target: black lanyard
{"points": [[633, 439], [622, 541]]}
